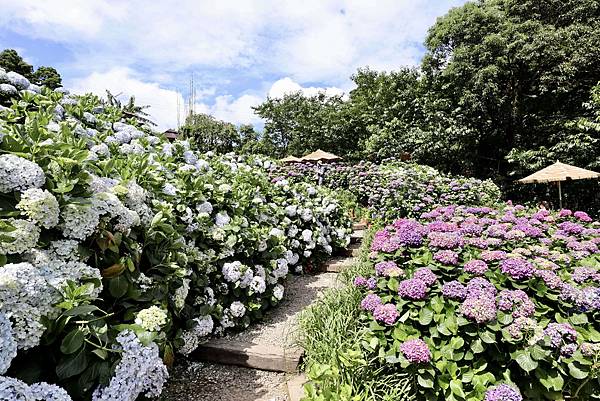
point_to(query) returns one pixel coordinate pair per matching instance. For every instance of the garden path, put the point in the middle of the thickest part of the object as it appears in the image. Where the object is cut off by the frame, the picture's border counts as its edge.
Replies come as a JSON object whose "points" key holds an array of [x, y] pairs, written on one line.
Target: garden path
{"points": [[261, 362]]}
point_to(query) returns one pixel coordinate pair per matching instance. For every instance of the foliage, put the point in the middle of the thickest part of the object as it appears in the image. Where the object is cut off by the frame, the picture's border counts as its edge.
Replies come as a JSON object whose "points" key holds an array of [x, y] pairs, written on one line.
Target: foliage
{"points": [[493, 296], [119, 249], [394, 188], [129, 110], [47, 76], [210, 134], [338, 368], [10, 60]]}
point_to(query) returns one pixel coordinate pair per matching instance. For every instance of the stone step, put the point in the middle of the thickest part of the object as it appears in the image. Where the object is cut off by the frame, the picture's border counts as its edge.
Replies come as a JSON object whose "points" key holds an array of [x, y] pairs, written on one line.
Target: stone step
{"points": [[251, 355], [295, 387], [337, 265], [352, 250], [357, 236], [359, 226]]}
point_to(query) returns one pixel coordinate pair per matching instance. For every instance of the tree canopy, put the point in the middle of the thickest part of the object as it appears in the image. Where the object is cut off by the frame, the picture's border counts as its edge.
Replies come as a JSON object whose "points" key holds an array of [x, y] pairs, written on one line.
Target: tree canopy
{"points": [[10, 60]]}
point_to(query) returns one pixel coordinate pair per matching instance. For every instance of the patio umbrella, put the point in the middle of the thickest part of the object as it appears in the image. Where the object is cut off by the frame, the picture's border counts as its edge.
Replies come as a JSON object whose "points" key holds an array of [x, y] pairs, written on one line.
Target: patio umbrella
{"points": [[291, 159], [559, 172], [320, 155]]}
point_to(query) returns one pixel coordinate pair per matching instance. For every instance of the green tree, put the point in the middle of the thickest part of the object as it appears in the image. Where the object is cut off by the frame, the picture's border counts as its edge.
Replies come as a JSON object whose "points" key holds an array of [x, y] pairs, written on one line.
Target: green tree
{"points": [[511, 72], [47, 76], [211, 134], [10, 60], [297, 124]]}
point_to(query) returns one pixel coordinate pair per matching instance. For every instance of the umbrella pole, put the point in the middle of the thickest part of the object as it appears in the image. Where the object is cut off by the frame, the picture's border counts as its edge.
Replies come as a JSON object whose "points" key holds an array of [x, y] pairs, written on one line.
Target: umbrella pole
{"points": [[559, 195]]}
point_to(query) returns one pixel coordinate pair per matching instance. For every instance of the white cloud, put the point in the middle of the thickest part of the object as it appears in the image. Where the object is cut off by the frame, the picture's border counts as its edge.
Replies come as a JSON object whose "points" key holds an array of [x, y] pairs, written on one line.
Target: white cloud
{"points": [[235, 110], [287, 85], [162, 102], [309, 41]]}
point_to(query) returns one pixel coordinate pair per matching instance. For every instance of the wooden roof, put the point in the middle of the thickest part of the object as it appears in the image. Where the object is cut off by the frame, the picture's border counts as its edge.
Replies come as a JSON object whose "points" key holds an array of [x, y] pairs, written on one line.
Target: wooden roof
{"points": [[320, 155]]}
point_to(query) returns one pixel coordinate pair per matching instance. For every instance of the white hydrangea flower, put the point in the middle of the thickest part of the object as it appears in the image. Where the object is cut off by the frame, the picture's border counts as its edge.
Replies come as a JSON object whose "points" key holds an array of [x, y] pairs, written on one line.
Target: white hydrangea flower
{"points": [[225, 188], [306, 214], [40, 206], [19, 174], [281, 269], [204, 207], [191, 338], [152, 318], [24, 237], [226, 321], [8, 345], [17, 80], [307, 235], [222, 219], [141, 370], [79, 221], [169, 189], [167, 149], [276, 232], [100, 149], [237, 309], [15, 390], [278, 291], [258, 284], [293, 230], [8, 90], [291, 210], [246, 278], [26, 297], [291, 257], [181, 294], [190, 157], [232, 271]]}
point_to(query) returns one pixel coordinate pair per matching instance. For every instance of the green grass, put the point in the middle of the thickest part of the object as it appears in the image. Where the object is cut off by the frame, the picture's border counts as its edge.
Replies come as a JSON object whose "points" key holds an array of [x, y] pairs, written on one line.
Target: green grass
{"points": [[331, 333]]}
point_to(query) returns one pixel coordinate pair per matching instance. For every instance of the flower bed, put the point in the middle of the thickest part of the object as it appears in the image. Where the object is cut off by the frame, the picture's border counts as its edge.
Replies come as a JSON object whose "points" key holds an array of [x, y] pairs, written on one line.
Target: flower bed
{"points": [[479, 303], [120, 249], [395, 189]]}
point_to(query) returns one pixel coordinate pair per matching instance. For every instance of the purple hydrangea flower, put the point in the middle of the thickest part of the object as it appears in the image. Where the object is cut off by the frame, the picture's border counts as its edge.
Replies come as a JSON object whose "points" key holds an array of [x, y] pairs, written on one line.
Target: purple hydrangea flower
{"points": [[479, 286], [476, 266], [581, 274], [416, 351], [454, 290], [550, 278], [590, 349], [388, 269], [516, 301], [490, 256], [386, 313], [570, 227], [370, 302], [564, 213], [360, 281], [560, 334], [443, 240], [426, 275], [503, 392], [582, 216], [446, 257], [413, 288], [480, 309], [517, 268], [520, 326]]}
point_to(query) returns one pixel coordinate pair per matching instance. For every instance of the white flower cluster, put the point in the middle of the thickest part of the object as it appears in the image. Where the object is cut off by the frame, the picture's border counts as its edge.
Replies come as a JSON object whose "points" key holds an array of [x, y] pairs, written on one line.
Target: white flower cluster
{"points": [[23, 238], [25, 297], [278, 291], [58, 272], [15, 390], [191, 338], [152, 318], [237, 309], [140, 370], [40, 206], [19, 174], [181, 294], [232, 271], [8, 345]]}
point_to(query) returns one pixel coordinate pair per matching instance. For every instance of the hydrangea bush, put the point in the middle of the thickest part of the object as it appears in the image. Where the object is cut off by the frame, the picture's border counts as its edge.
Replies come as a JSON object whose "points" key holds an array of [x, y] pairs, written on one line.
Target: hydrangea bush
{"points": [[482, 303], [393, 188], [120, 249]]}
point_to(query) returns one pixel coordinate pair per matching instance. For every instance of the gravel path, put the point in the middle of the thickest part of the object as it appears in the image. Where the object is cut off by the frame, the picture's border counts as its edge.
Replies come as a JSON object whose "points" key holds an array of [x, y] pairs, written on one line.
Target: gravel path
{"points": [[280, 324], [201, 381]]}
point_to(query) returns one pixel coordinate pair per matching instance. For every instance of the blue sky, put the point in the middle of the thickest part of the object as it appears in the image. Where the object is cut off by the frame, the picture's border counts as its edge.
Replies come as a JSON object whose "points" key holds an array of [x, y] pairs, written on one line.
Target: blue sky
{"points": [[239, 51]]}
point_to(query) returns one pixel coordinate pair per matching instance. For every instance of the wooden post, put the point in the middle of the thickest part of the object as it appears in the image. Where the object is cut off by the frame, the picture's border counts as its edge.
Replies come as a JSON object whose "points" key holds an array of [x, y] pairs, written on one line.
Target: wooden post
{"points": [[559, 195]]}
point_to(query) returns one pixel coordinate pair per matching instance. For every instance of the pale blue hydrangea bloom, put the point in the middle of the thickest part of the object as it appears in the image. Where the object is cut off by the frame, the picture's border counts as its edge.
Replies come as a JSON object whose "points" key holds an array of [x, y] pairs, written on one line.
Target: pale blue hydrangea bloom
{"points": [[19, 174], [8, 345], [40, 206], [232, 271], [17, 80], [25, 236], [140, 370], [8, 90], [278, 291]]}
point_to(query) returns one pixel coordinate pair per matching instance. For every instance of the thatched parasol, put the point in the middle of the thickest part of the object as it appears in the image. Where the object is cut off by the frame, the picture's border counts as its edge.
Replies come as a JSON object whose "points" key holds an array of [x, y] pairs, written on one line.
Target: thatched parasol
{"points": [[559, 172], [320, 155], [290, 159]]}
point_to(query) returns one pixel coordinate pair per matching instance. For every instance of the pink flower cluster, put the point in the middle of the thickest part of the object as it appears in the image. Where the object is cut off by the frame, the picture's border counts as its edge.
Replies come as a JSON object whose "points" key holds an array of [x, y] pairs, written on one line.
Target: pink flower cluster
{"points": [[416, 351]]}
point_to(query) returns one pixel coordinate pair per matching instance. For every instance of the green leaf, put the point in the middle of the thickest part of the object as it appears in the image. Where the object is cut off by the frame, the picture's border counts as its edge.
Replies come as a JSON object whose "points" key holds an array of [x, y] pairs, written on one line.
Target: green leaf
{"points": [[117, 286], [72, 365], [477, 346], [487, 337], [72, 341], [576, 372], [524, 360], [457, 388], [425, 316], [425, 381]]}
